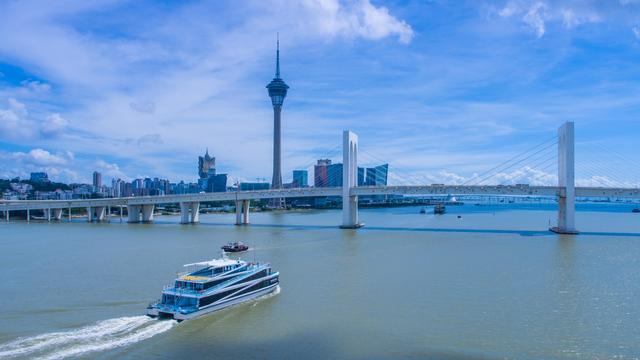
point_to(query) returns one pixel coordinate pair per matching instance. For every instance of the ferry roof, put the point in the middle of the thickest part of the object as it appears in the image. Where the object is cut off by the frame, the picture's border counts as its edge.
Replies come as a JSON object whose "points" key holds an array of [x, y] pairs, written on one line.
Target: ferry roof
{"points": [[216, 263]]}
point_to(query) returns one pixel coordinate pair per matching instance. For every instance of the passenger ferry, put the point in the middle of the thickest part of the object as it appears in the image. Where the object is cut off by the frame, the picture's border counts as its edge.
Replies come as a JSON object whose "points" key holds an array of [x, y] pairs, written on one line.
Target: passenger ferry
{"points": [[213, 285]]}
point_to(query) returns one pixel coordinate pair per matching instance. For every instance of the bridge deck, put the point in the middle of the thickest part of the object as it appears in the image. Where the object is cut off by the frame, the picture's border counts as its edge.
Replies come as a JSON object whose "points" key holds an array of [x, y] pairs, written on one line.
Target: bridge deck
{"points": [[498, 190]]}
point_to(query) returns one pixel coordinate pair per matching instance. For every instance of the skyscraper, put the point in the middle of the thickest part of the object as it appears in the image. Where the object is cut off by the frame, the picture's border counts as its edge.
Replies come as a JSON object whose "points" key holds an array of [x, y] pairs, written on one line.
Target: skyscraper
{"points": [[300, 178], [206, 163], [277, 92], [97, 180]]}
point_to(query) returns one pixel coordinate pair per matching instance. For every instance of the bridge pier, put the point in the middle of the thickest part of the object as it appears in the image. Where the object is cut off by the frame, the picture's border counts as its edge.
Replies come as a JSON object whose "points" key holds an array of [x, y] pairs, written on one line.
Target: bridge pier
{"points": [[566, 180], [349, 180], [95, 213], [242, 212], [57, 214], [147, 213], [189, 212], [133, 214]]}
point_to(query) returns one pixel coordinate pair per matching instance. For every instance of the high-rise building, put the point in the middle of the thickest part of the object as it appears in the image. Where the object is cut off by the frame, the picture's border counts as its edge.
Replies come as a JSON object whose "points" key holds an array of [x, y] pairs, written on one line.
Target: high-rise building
{"points": [[300, 178], [217, 183], [206, 163], [97, 180], [327, 174], [320, 175], [334, 175], [277, 92], [377, 176]]}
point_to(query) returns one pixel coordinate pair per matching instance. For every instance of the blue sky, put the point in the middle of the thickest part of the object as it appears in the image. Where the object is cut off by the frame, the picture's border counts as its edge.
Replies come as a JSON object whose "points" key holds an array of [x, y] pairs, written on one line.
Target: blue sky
{"points": [[442, 90]]}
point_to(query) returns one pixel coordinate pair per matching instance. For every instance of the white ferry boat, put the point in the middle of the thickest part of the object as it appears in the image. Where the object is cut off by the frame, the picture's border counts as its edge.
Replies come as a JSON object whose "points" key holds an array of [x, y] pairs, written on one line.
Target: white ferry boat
{"points": [[213, 285]]}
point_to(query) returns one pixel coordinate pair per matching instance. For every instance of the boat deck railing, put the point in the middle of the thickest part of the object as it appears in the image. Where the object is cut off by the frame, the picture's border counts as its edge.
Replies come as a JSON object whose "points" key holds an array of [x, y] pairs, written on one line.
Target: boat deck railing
{"points": [[218, 286]]}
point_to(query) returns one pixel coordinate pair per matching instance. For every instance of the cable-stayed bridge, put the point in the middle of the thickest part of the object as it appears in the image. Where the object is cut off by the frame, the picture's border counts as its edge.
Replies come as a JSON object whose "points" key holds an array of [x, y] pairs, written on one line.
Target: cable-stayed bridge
{"points": [[141, 209]]}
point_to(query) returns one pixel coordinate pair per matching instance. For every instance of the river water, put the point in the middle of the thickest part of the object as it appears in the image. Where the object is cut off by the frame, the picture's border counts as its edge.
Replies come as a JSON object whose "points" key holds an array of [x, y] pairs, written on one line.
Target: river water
{"points": [[492, 283]]}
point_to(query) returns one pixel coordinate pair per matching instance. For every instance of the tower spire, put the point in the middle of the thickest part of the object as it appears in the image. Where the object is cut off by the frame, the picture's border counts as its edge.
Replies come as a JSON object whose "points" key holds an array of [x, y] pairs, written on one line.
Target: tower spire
{"points": [[277, 55]]}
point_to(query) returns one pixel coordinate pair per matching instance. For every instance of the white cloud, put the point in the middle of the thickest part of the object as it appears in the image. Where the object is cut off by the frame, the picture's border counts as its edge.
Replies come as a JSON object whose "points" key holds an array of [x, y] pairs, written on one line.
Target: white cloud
{"points": [[536, 13], [110, 170], [53, 124], [42, 157], [357, 18], [35, 86], [636, 31], [16, 123], [571, 18]]}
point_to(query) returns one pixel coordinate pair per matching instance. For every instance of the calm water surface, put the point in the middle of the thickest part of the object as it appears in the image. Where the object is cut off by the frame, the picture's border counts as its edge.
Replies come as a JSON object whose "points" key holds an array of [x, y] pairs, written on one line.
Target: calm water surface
{"points": [[491, 284]]}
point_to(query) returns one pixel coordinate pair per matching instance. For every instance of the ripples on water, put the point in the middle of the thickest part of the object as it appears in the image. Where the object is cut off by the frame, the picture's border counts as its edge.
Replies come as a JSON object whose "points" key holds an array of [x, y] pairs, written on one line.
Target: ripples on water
{"points": [[103, 335]]}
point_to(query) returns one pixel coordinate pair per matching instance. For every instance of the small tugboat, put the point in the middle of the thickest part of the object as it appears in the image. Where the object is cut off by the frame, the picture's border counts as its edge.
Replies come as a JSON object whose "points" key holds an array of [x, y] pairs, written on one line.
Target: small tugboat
{"points": [[237, 246], [439, 209], [637, 210], [212, 285]]}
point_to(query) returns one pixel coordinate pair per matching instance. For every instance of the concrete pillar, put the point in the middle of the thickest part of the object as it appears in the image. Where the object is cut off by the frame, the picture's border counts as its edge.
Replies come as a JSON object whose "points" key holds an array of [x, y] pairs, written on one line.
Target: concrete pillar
{"points": [[120, 213], [28, 215], [69, 214], [566, 180], [195, 212], [99, 213], [239, 212], [147, 213], [6, 213], [109, 213], [47, 214], [184, 213], [245, 211], [133, 212], [349, 180], [57, 214], [89, 214]]}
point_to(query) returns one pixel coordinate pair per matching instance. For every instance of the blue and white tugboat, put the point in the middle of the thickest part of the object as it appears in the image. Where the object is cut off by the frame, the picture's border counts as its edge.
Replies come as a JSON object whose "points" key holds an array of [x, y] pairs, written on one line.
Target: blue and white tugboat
{"points": [[213, 285]]}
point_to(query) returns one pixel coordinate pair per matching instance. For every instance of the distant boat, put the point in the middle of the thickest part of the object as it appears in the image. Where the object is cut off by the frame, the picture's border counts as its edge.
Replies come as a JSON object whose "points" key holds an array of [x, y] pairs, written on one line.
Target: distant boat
{"points": [[423, 211], [235, 247], [439, 209], [637, 210]]}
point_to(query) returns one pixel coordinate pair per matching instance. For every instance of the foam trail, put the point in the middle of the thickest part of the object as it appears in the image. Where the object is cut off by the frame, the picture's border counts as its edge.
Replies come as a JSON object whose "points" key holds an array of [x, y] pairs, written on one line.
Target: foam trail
{"points": [[103, 335]]}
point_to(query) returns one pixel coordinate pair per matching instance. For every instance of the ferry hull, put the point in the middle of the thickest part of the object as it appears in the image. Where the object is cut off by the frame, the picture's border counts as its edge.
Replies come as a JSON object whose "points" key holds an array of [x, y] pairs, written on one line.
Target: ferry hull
{"points": [[154, 312]]}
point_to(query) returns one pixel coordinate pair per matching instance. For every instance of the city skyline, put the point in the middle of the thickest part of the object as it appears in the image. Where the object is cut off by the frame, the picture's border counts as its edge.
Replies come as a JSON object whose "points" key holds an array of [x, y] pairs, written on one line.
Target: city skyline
{"points": [[443, 107]]}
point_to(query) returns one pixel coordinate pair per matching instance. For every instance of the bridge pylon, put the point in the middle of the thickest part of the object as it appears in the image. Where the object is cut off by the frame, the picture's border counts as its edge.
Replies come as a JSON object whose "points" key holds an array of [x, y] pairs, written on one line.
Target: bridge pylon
{"points": [[349, 180], [566, 180]]}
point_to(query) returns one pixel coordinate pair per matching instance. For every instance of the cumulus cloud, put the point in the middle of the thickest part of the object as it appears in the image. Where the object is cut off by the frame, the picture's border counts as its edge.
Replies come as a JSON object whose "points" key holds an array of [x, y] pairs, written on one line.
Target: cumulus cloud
{"points": [[356, 19], [16, 123], [41, 157]]}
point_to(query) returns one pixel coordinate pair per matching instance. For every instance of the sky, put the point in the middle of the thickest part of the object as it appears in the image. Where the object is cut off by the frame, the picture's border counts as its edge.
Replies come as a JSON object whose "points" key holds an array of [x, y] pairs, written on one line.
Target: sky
{"points": [[441, 90]]}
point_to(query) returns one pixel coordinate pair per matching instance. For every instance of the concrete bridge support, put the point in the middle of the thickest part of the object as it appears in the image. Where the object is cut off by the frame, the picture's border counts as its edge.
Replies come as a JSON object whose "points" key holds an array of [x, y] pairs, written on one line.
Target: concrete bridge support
{"points": [[242, 212], [566, 180], [147, 213], [95, 213], [189, 212], [57, 214], [349, 180], [47, 214], [133, 214]]}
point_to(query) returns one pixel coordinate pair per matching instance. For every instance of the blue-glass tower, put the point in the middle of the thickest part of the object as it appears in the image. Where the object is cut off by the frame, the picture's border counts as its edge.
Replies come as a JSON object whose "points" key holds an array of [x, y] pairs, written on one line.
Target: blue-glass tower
{"points": [[277, 92]]}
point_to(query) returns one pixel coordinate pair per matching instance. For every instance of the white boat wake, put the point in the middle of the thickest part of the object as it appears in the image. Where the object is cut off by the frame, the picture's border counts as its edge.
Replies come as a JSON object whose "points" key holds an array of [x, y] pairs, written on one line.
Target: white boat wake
{"points": [[103, 335]]}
